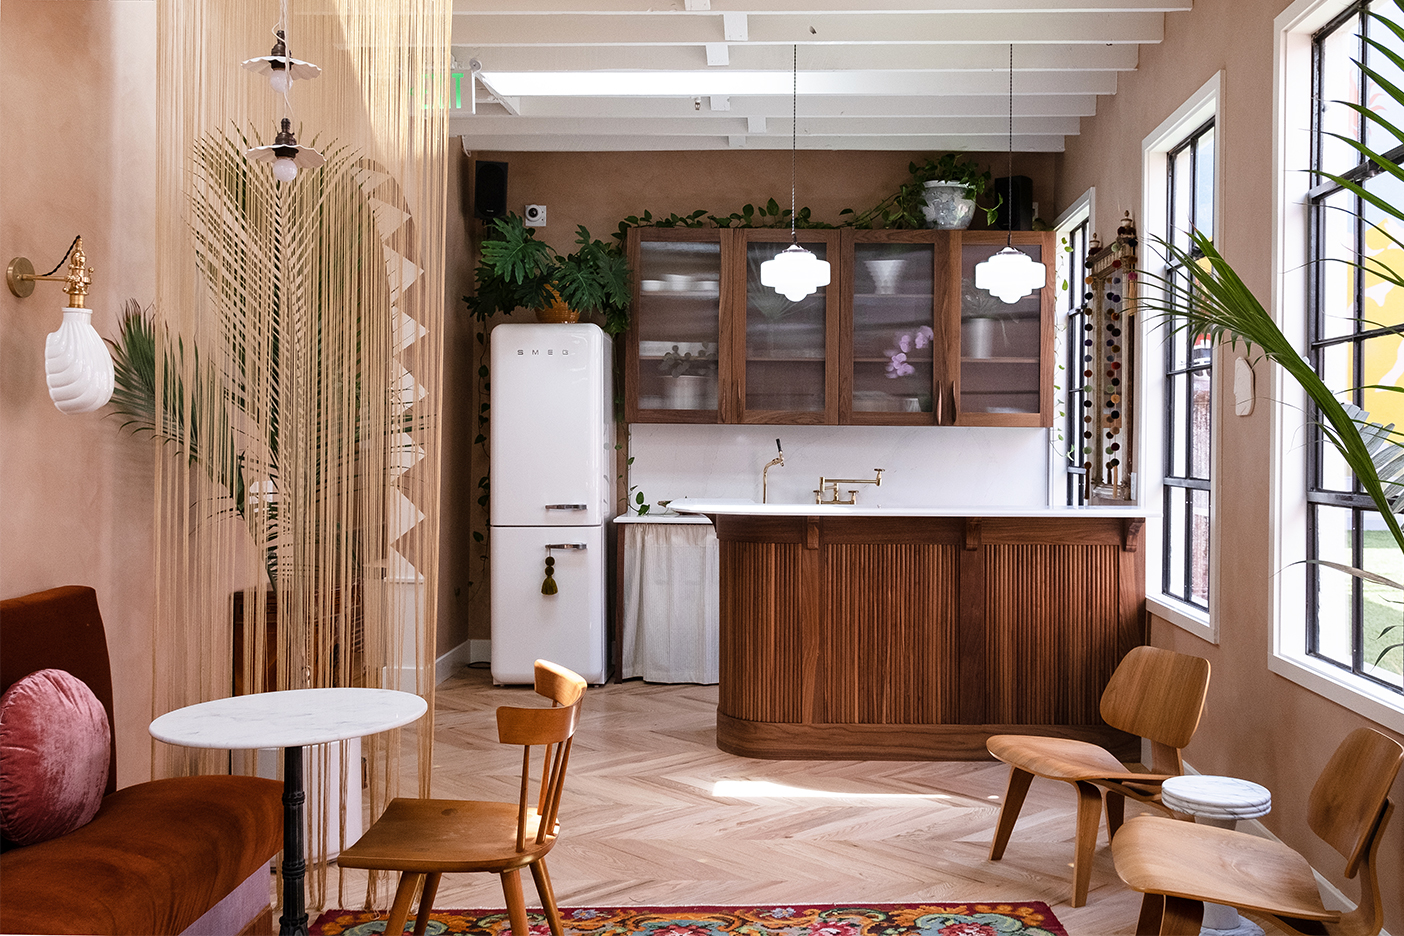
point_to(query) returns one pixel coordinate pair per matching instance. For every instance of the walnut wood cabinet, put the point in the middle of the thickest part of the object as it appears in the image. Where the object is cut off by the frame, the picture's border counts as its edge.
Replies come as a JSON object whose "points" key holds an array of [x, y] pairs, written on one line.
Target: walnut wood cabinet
{"points": [[910, 638], [899, 337]]}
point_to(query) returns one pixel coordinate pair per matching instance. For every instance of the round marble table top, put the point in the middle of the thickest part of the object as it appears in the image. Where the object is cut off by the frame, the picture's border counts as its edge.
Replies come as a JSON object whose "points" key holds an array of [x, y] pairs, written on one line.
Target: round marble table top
{"points": [[290, 718], [1216, 797]]}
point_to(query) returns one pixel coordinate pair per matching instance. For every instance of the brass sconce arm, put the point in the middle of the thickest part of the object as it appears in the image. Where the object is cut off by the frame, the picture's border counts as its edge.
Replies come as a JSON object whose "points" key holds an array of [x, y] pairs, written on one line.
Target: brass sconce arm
{"points": [[20, 275]]}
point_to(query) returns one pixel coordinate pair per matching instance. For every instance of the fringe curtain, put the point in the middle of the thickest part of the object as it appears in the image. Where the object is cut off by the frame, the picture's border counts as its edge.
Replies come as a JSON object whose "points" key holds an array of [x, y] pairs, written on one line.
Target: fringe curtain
{"points": [[300, 329]]}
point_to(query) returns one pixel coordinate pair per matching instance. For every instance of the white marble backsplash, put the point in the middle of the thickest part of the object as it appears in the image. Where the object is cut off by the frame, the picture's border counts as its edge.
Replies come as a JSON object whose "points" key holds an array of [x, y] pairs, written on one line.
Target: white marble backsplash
{"points": [[924, 465]]}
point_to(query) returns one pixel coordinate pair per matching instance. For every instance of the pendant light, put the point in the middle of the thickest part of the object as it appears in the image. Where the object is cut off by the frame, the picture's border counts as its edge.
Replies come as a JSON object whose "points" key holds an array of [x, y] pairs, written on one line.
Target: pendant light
{"points": [[285, 153], [1011, 274], [794, 272]]}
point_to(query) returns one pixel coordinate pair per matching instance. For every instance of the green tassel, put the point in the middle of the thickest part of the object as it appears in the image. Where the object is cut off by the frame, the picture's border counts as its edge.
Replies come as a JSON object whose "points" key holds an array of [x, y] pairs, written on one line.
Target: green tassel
{"points": [[548, 587]]}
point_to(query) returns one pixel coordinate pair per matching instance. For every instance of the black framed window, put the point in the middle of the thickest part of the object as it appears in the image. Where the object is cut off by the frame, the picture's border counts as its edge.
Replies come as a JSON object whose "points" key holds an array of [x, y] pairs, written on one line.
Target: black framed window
{"points": [[1189, 385], [1355, 337], [1077, 439]]}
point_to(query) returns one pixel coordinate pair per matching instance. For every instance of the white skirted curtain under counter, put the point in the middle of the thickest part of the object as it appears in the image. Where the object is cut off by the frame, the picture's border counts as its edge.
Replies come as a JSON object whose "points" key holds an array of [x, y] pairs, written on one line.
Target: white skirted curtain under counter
{"points": [[669, 620]]}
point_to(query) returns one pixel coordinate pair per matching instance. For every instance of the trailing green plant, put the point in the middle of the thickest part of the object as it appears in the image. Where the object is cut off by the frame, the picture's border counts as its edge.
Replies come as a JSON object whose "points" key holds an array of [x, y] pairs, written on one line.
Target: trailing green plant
{"points": [[518, 271]]}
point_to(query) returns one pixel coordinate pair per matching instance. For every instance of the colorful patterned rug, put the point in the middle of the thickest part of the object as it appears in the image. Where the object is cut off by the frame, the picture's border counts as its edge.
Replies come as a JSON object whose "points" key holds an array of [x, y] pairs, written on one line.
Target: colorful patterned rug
{"points": [[964, 919]]}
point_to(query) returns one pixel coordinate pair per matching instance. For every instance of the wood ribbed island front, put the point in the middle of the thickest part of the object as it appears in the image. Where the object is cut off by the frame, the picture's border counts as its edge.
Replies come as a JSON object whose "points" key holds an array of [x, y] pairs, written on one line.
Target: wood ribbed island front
{"points": [[917, 637]]}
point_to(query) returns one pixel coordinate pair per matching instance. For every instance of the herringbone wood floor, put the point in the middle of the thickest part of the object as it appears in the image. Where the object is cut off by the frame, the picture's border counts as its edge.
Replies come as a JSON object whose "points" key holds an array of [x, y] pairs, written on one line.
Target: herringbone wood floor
{"points": [[655, 815]]}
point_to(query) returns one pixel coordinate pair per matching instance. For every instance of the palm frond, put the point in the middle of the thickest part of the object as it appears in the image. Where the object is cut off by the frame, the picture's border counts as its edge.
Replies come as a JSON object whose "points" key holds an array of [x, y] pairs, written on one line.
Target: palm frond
{"points": [[1214, 301]]}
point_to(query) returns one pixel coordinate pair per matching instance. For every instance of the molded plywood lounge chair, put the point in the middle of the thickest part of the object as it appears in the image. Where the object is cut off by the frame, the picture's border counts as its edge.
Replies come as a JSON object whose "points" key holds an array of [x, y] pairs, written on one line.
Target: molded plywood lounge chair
{"points": [[426, 838], [1178, 865], [1157, 694]]}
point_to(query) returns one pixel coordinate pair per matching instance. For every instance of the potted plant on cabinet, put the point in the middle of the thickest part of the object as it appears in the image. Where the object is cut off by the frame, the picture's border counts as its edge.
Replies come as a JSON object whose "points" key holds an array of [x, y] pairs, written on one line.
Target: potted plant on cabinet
{"points": [[951, 183], [519, 271]]}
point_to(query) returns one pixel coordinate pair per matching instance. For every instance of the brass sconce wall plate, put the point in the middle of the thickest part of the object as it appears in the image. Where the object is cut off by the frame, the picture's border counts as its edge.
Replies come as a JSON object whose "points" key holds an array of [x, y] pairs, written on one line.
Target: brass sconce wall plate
{"points": [[19, 276]]}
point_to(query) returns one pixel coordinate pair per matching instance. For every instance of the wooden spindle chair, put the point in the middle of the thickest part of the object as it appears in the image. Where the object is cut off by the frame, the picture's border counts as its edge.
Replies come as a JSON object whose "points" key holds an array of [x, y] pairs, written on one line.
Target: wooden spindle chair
{"points": [[424, 839]]}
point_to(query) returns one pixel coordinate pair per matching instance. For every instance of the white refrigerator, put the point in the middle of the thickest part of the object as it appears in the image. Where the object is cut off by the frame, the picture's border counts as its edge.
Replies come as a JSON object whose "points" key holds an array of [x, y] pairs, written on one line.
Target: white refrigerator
{"points": [[551, 441]]}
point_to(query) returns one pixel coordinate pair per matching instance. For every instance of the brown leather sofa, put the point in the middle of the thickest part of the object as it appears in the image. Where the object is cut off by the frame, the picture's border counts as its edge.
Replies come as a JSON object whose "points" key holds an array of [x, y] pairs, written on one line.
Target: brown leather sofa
{"points": [[158, 856]]}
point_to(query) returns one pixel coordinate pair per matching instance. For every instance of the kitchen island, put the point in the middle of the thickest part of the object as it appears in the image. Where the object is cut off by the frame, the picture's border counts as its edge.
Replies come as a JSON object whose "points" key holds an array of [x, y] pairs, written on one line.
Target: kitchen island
{"points": [[887, 633]]}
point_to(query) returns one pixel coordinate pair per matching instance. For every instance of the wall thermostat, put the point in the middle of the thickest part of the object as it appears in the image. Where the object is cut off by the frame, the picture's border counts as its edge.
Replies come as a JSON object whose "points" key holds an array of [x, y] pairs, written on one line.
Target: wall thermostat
{"points": [[535, 216]]}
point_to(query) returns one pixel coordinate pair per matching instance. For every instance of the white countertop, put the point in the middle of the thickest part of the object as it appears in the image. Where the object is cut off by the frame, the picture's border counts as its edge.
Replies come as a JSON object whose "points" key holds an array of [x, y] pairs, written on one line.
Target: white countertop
{"points": [[752, 509], [662, 516]]}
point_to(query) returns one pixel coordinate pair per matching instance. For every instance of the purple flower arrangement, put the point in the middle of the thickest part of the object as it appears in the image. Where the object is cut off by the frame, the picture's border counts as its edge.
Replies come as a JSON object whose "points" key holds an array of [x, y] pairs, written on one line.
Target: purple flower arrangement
{"points": [[897, 365]]}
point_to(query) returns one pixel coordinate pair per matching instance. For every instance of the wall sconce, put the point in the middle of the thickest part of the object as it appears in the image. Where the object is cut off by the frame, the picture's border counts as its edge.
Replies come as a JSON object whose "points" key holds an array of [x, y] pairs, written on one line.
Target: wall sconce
{"points": [[76, 363]]}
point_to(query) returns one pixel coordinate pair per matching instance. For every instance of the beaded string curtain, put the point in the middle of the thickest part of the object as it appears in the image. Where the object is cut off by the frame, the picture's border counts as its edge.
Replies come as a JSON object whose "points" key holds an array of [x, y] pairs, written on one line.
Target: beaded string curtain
{"points": [[297, 488]]}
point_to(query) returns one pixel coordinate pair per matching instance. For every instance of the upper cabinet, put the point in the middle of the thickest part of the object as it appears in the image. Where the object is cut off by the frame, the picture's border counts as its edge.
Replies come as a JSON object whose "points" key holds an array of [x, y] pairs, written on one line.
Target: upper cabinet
{"points": [[1004, 374], [788, 350], [899, 337], [673, 361]]}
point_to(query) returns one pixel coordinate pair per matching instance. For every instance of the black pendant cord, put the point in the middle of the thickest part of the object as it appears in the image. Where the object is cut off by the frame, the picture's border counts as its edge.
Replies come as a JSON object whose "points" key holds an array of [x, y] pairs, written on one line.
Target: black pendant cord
{"points": [[1009, 183], [68, 254], [794, 132]]}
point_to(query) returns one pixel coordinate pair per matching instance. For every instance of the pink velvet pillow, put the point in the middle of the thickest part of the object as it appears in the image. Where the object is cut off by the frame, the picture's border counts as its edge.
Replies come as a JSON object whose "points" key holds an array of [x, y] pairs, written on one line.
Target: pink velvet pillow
{"points": [[54, 751]]}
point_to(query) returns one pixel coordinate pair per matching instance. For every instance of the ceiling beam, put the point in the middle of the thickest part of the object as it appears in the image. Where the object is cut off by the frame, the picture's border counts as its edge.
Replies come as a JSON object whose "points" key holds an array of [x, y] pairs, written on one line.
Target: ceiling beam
{"points": [[1032, 105], [738, 83], [577, 143], [809, 127], [806, 7], [573, 29], [1030, 58]]}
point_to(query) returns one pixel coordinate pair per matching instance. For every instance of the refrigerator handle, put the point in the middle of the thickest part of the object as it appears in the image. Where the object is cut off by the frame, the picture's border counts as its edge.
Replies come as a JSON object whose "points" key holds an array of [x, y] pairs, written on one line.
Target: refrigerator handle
{"points": [[565, 546], [567, 506]]}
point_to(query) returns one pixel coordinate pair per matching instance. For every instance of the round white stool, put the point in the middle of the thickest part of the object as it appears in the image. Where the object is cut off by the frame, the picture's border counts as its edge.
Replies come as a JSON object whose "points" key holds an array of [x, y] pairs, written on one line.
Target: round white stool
{"points": [[1221, 802]]}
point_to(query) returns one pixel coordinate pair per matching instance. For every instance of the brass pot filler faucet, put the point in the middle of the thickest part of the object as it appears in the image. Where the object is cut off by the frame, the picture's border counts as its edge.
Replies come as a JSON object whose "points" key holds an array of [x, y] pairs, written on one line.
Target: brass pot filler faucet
{"points": [[833, 486]]}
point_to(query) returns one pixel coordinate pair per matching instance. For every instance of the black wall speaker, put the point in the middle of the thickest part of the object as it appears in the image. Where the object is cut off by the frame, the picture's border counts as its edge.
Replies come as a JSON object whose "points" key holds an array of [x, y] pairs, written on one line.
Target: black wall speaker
{"points": [[490, 190], [1017, 192]]}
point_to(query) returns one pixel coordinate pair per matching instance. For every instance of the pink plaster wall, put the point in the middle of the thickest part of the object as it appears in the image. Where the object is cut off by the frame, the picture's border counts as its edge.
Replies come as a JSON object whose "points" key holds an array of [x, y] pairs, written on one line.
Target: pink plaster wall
{"points": [[1257, 724], [79, 119]]}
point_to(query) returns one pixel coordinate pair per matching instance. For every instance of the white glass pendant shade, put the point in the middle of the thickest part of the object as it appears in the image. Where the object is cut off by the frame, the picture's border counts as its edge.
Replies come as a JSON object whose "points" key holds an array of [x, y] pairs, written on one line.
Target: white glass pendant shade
{"points": [[795, 273], [1010, 275], [77, 365]]}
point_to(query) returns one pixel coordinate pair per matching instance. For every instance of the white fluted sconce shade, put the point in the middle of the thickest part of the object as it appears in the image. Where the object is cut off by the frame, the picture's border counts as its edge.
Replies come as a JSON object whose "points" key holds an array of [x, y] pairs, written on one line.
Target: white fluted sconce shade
{"points": [[1010, 275], [795, 273], [76, 364]]}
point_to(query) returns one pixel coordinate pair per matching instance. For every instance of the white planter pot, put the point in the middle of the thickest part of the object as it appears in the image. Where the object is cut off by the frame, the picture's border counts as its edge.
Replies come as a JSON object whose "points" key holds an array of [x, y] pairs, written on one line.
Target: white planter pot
{"points": [[949, 206]]}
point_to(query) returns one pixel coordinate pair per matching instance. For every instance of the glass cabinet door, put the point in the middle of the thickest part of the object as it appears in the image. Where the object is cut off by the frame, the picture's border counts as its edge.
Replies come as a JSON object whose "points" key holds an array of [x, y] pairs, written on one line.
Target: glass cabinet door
{"points": [[893, 339], [785, 343], [1003, 361], [677, 329]]}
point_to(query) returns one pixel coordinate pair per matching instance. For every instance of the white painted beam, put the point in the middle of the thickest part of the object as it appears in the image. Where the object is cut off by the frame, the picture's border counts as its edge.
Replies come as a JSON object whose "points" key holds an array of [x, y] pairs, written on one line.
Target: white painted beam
{"points": [[970, 57], [706, 124], [576, 143], [805, 7], [778, 105], [736, 83], [573, 29]]}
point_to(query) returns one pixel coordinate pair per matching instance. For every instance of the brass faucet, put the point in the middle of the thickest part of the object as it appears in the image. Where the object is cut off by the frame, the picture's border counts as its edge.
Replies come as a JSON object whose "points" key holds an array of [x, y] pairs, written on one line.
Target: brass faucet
{"points": [[833, 485], [777, 460]]}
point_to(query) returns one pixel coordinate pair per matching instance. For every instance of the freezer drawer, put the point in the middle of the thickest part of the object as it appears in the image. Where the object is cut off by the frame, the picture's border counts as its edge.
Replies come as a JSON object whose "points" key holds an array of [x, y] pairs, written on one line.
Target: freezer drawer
{"points": [[566, 628]]}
